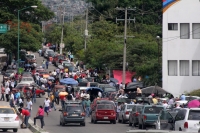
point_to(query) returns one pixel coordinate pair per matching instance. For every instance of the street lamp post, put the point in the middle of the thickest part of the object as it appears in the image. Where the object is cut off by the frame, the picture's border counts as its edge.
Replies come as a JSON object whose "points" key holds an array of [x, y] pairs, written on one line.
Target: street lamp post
{"points": [[18, 31]]}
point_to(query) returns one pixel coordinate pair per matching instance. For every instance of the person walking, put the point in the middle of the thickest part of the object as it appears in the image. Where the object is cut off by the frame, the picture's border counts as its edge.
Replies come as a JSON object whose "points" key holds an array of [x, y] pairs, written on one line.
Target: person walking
{"points": [[25, 116], [21, 95], [43, 64], [52, 100], [2, 93], [57, 97], [33, 95], [87, 107], [46, 105], [47, 64], [7, 91], [40, 115], [11, 99], [29, 105]]}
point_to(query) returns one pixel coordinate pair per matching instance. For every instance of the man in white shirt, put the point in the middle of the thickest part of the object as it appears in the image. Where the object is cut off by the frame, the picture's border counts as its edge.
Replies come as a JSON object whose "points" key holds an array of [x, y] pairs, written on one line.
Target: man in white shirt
{"points": [[99, 94], [165, 105], [7, 83], [54, 73], [46, 105], [12, 84], [7, 91], [29, 105]]}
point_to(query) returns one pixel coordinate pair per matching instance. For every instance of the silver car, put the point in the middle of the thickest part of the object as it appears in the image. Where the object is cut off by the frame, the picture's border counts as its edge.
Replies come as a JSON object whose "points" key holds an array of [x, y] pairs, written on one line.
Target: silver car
{"points": [[125, 112], [28, 80], [133, 118]]}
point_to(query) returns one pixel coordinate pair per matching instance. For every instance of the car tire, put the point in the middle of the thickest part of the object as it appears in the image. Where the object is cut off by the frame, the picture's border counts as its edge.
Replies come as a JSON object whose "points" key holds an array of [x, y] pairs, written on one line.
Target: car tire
{"points": [[114, 122], [15, 130], [140, 126], [119, 121], [123, 121], [143, 126], [95, 121], [91, 120], [63, 124], [60, 123], [5, 130], [130, 124], [82, 124]]}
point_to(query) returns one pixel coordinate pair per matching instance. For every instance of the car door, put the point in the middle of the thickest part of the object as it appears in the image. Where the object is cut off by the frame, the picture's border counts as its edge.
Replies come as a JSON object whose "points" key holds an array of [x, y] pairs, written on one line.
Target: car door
{"points": [[179, 120], [165, 117]]}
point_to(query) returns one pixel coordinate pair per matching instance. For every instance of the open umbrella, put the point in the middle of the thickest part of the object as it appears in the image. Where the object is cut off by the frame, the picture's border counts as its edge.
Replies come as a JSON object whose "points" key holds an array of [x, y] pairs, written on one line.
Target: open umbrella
{"points": [[70, 81], [94, 88], [114, 80], [194, 104]]}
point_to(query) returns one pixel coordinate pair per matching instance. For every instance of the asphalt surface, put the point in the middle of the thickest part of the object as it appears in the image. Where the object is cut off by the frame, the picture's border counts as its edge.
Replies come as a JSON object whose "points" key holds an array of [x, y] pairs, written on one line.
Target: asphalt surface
{"points": [[52, 121]]}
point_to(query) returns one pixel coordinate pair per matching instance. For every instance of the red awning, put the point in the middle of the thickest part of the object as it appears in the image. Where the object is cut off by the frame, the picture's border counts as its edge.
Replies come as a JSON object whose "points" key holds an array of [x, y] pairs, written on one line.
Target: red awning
{"points": [[118, 75]]}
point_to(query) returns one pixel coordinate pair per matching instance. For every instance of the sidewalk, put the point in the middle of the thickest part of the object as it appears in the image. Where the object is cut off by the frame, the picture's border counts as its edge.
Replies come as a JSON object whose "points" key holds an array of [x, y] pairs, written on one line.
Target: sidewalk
{"points": [[3, 103]]}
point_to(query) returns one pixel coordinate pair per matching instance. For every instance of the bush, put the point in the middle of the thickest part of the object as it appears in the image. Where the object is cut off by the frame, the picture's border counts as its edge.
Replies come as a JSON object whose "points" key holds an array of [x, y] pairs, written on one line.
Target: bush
{"points": [[195, 93]]}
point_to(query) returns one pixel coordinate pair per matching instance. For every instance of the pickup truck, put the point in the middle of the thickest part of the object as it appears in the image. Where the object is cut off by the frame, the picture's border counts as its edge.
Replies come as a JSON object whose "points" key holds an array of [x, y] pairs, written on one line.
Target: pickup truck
{"points": [[149, 115]]}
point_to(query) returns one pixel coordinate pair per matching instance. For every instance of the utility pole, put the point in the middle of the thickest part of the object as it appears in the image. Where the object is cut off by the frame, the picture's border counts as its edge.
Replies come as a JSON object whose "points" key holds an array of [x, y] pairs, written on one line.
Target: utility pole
{"points": [[61, 42], [125, 42]]}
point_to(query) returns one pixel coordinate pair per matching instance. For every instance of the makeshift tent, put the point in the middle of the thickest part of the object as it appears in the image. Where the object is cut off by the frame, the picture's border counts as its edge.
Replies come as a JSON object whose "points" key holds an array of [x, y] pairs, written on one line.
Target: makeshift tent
{"points": [[154, 90]]}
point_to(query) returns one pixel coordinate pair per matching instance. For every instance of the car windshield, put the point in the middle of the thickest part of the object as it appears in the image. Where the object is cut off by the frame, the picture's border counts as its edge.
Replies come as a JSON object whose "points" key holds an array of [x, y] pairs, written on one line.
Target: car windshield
{"points": [[105, 107], [74, 109], [9, 71], [27, 79], [82, 84], [110, 89], [30, 56], [6, 111], [50, 52], [66, 64], [44, 73], [194, 115], [190, 98], [21, 86], [152, 110], [130, 106], [61, 57]]}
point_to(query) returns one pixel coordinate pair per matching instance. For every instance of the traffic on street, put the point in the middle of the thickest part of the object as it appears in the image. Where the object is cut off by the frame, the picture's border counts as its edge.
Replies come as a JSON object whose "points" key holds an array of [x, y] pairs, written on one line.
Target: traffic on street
{"points": [[62, 95]]}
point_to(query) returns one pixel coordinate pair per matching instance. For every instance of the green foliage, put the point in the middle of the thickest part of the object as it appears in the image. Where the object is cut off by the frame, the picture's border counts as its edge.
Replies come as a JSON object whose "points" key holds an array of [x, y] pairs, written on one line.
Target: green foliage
{"points": [[195, 93], [30, 20]]}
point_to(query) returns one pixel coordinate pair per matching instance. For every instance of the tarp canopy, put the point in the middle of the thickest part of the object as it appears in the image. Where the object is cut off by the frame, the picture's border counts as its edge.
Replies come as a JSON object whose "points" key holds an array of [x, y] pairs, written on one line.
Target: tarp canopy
{"points": [[154, 90], [134, 85]]}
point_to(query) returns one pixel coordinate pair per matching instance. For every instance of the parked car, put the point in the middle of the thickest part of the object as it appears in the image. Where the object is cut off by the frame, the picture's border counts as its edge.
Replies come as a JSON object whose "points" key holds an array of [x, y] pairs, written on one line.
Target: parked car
{"points": [[165, 120], [49, 53], [43, 50], [104, 112], [31, 58], [26, 86], [149, 115], [9, 119], [72, 113], [29, 80], [124, 113], [57, 59], [133, 117], [188, 120], [9, 74]]}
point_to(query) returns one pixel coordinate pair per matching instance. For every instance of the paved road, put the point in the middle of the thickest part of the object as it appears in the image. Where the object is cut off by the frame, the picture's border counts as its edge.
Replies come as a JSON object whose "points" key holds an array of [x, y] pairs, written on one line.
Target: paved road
{"points": [[52, 121]]}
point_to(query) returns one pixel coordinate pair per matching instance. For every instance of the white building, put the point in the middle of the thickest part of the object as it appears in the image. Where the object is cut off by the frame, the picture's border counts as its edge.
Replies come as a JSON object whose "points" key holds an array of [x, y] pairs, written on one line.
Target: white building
{"points": [[181, 46]]}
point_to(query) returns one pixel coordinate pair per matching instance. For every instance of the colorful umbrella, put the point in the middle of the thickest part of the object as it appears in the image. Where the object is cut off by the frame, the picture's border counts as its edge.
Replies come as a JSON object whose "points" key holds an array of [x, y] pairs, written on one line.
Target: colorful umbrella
{"points": [[194, 104], [70, 81]]}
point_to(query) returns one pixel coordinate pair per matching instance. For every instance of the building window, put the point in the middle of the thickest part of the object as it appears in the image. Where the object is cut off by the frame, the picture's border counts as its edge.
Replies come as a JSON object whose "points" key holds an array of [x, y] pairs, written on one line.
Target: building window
{"points": [[184, 68], [172, 26], [185, 31], [196, 68], [172, 67], [196, 31]]}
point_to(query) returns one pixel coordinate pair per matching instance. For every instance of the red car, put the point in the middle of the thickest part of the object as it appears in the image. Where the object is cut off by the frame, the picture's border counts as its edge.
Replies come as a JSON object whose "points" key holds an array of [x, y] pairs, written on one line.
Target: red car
{"points": [[94, 103], [25, 87], [58, 59], [104, 112]]}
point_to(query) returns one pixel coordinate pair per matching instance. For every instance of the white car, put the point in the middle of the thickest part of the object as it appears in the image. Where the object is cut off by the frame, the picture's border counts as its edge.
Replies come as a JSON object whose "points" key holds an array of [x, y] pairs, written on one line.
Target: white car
{"points": [[188, 120], [124, 113], [9, 120], [28, 80]]}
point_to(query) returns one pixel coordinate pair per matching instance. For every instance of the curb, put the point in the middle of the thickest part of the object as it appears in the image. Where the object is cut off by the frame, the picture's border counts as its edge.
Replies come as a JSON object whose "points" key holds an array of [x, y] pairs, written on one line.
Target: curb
{"points": [[32, 127]]}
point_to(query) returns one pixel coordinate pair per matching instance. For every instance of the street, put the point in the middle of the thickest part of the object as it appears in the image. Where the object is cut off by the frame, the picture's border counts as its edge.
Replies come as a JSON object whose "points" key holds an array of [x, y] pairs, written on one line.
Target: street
{"points": [[52, 121]]}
